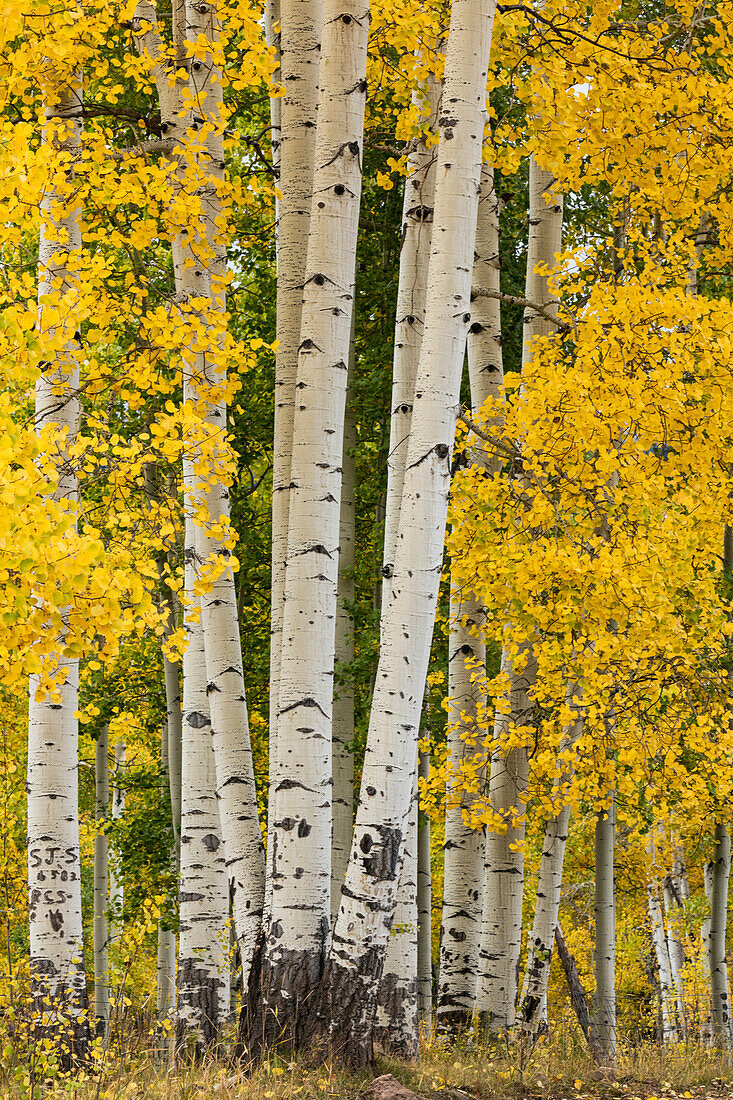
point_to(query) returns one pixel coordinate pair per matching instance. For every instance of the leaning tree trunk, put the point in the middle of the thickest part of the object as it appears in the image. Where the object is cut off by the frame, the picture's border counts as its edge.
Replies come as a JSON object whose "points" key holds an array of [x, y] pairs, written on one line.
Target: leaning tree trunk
{"points": [[101, 883], [424, 906], [299, 926], [204, 377], [343, 702], [116, 880], [396, 1025], [661, 952], [605, 942], [544, 925], [347, 1001], [463, 890], [58, 980], [719, 1000], [672, 908], [502, 919], [300, 50]]}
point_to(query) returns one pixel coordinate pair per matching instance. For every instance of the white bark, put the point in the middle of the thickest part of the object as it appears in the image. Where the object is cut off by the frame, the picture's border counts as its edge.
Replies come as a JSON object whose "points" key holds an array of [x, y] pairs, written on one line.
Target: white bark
{"points": [[343, 702], [300, 921], [272, 37], [396, 1023], [203, 970], [661, 952], [300, 49], [54, 875], [533, 1000], [463, 891], [676, 950], [165, 993], [417, 226], [505, 868], [501, 927], [116, 881], [347, 1004], [706, 1026], [605, 943], [101, 882], [235, 783], [463, 884], [424, 908], [173, 704], [719, 996]]}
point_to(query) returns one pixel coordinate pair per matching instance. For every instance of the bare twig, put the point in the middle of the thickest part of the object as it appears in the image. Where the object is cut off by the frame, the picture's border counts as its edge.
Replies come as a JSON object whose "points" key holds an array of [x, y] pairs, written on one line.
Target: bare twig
{"points": [[513, 300]]}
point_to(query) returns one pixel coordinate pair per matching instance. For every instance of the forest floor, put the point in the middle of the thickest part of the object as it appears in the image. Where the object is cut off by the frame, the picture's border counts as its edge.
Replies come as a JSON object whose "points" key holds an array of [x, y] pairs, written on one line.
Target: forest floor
{"points": [[553, 1071]]}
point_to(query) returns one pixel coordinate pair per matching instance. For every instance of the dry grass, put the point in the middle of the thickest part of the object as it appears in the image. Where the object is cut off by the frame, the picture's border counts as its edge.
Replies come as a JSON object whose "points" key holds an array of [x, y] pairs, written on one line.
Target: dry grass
{"points": [[464, 1070]]}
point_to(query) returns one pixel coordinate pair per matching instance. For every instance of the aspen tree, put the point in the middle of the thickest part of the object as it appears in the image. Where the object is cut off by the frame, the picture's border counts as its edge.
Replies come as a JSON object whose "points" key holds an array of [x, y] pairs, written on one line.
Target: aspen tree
{"points": [[502, 918], [116, 880], [165, 986], [396, 1021], [300, 52], [661, 952], [347, 1003], [298, 933], [204, 381], [604, 955], [343, 703], [719, 996], [672, 908], [424, 907], [101, 883], [58, 979], [463, 881], [542, 935]]}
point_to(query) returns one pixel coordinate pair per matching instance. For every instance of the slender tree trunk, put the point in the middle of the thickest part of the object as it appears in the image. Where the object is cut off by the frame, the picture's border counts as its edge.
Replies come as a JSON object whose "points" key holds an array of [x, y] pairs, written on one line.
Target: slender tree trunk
{"points": [[661, 951], [542, 935], [396, 1024], [272, 37], [672, 907], [501, 926], [58, 981], [343, 701], [719, 998], [165, 998], [502, 919], [706, 1026], [299, 929], [116, 880], [300, 50], [463, 885], [173, 732], [605, 943], [347, 1004], [424, 907], [578, 996], [101, 883], [464, 863], [203, 970], [235, 783]]}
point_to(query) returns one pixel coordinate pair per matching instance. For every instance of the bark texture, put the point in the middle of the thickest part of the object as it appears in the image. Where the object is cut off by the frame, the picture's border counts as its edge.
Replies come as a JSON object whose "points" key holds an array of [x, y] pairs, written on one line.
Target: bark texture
{"points": [[424, 908], [578, 996], [101, 883], [347, 1002], [299, 926], [605, 943], [719, 997], [116, 879], [58, 980]]}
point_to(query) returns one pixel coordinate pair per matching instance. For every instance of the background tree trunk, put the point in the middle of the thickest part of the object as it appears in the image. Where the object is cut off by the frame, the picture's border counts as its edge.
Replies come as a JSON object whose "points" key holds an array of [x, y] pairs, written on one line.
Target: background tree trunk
{"points": [[101, 883], [424, 907], [719, 999], [605, 943]]}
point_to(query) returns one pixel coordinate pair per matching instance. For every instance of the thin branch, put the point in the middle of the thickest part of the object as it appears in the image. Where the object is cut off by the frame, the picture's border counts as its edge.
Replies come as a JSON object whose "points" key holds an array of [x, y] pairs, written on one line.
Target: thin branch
{"points": [[156, 145], [499, 447], [511, 299]]}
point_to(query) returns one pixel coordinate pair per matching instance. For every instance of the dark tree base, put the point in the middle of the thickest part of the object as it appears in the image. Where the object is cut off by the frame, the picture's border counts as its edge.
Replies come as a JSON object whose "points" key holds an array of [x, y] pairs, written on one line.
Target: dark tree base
{"points": [[67, 1007], [453, 1021], [281, 997], [341, 1024], [200, 991]]}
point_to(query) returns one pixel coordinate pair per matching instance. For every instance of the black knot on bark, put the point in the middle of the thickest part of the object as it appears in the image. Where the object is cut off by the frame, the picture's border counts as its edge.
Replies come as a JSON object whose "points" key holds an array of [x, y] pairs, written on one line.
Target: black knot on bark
{"points": [[466, 318], [388, 570], [346, 19], [441, 450], [319, 280], [476, 327], [353, 147], [339, 189], [466, 649]]}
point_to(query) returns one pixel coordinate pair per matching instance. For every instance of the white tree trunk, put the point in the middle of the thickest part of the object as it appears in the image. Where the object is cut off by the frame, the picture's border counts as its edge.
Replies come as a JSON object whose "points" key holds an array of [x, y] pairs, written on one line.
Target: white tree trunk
{"points": [[661, 952], [203, 969], [343, 702], [463, 891], [672, 908], [300, 49], [271, 18], [533, 1000], [501, 926], [719, 997], [116, 881], [463, 884], [605, 943], [299, 929], [165, 993], [173, 704], [235, 784], [501, 944], [706, 1026], [101, 883], [348, 999], [396, 1023], [58, 979], [424, 908]]}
